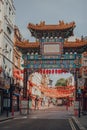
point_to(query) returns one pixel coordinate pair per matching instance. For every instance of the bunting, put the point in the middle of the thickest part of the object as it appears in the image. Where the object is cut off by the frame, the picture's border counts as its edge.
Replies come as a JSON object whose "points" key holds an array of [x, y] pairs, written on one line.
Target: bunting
{"points": [[53, 92]]}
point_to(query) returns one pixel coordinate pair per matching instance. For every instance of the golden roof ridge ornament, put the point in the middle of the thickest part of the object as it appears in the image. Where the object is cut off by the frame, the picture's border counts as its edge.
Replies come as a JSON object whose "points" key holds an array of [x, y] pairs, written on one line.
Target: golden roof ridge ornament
{"points": [[43, 26]]}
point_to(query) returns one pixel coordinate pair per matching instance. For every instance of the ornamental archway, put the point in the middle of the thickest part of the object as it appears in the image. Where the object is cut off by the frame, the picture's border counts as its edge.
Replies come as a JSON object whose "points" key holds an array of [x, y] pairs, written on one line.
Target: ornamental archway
{"points": [[68, 63], [51, 51]]}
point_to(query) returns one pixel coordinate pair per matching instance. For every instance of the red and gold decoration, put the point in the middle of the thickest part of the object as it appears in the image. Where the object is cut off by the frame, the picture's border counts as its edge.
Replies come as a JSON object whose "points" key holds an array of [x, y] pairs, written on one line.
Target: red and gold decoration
{"points": [[53, 92], [17, 74], [52, 71]]}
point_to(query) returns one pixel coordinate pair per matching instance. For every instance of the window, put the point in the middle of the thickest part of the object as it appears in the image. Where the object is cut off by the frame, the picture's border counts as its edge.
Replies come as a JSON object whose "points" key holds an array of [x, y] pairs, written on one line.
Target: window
{"points": [[9, 30], [6, 3], [16, 61], [5, 68], [10, 50], [9, 71], [9, 10], [6, 46], [5, 49]]}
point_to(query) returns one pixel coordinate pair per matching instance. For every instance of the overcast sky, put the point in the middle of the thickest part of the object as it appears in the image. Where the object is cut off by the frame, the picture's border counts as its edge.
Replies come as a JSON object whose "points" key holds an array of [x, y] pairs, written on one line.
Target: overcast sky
{"points": [[51, 11]]}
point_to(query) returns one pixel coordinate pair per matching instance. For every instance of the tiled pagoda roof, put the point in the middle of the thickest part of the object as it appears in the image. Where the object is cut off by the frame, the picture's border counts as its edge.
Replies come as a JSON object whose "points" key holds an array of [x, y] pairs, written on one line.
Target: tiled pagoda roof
{"points": [[42, 26], [67, 44], [26, 44], [75, 44]]}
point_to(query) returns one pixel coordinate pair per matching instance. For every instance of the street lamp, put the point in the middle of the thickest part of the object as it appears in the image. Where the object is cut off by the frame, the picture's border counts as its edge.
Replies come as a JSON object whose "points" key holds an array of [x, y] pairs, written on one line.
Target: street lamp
{"points": [[28, 104], [79, 97]]}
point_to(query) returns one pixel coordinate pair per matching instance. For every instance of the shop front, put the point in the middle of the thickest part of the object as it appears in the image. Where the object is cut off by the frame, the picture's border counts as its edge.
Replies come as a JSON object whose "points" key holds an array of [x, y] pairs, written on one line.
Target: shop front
{"points": [[1, 102], [14, 98], [1, 94]]}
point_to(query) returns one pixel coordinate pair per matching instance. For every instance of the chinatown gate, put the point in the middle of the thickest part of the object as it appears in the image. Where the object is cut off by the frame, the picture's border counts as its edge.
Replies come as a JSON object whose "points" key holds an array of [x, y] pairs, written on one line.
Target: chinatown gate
{"points": [[52, 53]]}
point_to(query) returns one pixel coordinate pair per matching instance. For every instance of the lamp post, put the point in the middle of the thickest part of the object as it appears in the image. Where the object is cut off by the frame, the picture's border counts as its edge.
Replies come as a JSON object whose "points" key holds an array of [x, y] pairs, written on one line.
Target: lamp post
{"points": [[12, 101], [7, 86], [28, 104], [79, 97], [7, 103]]}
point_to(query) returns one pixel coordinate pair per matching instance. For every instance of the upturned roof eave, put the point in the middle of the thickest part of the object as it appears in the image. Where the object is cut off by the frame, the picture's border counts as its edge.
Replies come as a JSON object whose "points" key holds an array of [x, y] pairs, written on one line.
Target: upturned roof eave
{"points": [[26, 45], [43, 27]]}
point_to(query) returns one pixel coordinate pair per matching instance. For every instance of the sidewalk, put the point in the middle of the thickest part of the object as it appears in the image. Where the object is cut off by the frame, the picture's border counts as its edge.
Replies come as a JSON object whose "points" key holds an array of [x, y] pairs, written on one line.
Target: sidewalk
{"points": [[81, 122], [4, 116]]}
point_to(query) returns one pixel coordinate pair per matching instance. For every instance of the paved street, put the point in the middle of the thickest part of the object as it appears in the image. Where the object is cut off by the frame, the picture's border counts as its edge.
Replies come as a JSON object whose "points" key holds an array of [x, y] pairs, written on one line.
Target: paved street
{"points": [[49, 119], [36, 124], [51, 113]]}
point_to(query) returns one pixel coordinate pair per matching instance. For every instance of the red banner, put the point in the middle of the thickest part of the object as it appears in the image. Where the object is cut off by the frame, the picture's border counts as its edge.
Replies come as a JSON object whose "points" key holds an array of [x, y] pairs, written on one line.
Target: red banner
{"points": [[53, 92]]}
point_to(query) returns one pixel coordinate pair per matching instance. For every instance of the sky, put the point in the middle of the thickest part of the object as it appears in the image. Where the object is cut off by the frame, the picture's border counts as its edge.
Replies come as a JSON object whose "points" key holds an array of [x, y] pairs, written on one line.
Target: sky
{"points": [[51, 11]]}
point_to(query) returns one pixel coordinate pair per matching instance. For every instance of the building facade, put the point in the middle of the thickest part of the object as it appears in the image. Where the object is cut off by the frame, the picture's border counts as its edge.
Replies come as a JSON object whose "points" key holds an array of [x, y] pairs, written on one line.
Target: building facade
{"points": [[7, 20], [17, 85]]}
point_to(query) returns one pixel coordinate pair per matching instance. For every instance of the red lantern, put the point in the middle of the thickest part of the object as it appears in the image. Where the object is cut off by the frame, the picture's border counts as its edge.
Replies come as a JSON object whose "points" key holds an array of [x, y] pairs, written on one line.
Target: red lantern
{"points": [[43, 71], [49, 71], [52, 71], [22, 71], [56, 71], [40, 71]]}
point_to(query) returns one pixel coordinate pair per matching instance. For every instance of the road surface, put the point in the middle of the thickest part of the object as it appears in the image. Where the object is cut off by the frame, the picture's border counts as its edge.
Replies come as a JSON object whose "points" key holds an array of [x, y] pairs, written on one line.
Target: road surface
{"points": [[49, 119]]}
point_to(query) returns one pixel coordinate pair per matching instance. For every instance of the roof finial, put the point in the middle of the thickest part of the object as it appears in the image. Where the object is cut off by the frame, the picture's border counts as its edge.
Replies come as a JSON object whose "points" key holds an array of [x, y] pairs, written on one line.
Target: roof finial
{"points": [[42, 23]]}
